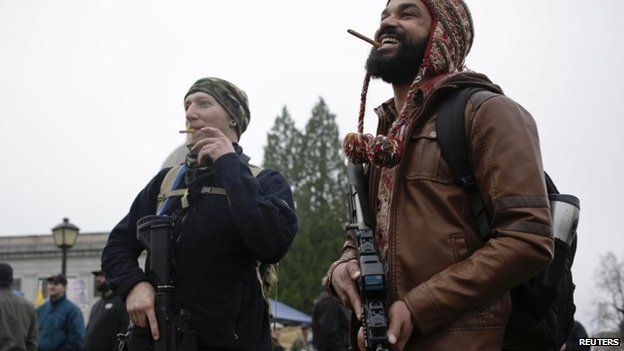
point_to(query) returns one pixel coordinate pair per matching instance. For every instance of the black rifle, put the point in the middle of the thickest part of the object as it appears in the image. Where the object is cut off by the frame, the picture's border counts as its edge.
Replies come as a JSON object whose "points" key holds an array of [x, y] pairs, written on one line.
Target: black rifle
{"points": [[155, 233], [372, 282]]}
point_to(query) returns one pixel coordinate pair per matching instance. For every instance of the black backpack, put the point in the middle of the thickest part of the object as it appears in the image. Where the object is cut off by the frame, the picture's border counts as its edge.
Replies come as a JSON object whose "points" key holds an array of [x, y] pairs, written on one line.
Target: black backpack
{"points": [[542, 307]]}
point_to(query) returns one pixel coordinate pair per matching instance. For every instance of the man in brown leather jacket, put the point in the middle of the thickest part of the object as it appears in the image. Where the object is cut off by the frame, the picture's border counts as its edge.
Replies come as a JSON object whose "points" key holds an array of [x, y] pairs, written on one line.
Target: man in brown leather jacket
{"points": [[448, 289]]}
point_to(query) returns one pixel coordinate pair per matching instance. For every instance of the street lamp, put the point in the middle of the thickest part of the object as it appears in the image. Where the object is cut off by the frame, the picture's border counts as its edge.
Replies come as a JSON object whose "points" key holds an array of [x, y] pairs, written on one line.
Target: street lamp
{"points": [[65, 235]]}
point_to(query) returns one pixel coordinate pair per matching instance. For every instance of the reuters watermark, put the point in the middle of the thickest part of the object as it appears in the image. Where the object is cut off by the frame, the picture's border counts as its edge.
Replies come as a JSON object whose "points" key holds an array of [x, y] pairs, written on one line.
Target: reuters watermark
{"points": [[599, 342]]}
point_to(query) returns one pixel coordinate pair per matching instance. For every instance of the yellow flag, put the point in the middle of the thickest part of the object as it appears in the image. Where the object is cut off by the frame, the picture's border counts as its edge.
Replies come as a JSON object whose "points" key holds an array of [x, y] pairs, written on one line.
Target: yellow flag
{"points": [[39, 299]]}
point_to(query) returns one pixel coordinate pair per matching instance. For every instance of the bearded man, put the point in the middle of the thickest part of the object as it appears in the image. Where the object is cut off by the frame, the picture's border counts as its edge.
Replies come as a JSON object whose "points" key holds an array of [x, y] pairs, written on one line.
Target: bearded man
{"points": [[448, 288], [108, 318]]}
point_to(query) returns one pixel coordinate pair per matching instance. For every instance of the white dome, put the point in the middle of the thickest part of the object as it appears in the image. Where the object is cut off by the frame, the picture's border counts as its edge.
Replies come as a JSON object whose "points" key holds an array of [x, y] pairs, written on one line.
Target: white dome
{"points": [[176, 157]]}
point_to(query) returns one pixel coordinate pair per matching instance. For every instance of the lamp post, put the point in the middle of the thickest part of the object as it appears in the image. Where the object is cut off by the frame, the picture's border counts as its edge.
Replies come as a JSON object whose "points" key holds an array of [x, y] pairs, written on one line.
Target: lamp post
{"points": [[65, 235]]}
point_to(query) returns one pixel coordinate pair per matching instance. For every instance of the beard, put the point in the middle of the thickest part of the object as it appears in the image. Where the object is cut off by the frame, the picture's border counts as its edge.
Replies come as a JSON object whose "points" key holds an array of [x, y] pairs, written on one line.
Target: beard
{"points": [[403, 66], [102, 287]]}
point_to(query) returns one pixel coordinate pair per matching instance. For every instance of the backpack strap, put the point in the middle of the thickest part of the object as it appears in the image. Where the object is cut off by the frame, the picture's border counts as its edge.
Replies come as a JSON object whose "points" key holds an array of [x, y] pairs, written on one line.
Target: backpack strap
{"points": [[451, 129], [169, 183], [213, 190], [266, 273], [173, 178], [550, 185], [255, 170]]}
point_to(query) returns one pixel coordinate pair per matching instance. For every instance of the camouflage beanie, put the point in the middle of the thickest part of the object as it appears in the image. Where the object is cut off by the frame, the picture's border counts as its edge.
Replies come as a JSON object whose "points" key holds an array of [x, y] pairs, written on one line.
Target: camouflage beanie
{"points": [[229, 96]]}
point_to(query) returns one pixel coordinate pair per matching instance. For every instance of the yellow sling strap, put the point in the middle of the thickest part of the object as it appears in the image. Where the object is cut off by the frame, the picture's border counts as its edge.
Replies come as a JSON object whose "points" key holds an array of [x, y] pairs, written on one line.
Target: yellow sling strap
{"points": [[165, 187]]}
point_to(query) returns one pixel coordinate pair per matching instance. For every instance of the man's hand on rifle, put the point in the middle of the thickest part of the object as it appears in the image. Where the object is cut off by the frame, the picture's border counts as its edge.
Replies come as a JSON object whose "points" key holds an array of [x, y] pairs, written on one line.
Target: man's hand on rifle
{"points": [[140, 307], [344, 280], [399, 330], [400, 327]]}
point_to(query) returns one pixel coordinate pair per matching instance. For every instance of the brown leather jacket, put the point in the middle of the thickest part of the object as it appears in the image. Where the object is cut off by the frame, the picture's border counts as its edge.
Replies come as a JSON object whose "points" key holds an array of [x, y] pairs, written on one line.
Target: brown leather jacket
{"points": [[455, 285]]}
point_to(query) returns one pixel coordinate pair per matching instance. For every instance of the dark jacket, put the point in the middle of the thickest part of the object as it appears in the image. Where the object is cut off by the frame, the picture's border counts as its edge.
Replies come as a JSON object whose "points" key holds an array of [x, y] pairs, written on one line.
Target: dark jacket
{"points": [[455, 285], [61, 327], [330, 325], [220, 240], [577, 332], [18, 324], [108, 318]]}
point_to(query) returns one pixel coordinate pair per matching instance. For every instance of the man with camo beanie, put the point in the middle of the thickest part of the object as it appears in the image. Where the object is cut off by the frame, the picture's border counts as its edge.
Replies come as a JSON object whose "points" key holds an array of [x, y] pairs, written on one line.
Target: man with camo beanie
{"points": [[229, 96], [221, 95], [229, 218], [448, 287]]}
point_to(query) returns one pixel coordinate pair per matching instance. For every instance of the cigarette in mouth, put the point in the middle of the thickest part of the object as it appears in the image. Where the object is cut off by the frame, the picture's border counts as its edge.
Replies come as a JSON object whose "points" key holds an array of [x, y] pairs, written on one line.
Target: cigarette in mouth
{"points": [[187, 131], [374, 43]]}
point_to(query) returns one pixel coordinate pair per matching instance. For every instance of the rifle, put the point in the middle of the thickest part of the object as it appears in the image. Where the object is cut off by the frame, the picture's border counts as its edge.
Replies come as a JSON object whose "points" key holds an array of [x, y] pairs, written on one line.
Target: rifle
{"points": [[155, 233], [372, 282]]}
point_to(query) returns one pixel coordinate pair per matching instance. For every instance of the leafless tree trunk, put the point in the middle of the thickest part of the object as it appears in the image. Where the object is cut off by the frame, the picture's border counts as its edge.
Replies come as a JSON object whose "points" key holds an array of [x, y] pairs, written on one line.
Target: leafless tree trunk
{"points": [[610, 280]]}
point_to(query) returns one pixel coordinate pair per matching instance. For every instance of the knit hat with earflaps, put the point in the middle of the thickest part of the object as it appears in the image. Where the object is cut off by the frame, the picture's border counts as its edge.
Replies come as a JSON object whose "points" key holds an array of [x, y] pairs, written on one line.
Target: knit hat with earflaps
{"points": [[450, 40]]}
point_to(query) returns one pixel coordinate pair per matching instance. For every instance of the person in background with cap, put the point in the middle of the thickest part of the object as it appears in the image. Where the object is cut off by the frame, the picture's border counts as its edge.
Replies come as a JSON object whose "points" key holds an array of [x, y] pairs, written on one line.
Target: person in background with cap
{"points": [[448, 288], [228, 222], [61, 327], [108, 318], [18, 322]]}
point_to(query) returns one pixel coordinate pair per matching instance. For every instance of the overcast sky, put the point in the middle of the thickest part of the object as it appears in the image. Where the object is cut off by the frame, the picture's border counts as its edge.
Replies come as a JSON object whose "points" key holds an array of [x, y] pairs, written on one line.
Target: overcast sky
{"points": [[91, 95]]}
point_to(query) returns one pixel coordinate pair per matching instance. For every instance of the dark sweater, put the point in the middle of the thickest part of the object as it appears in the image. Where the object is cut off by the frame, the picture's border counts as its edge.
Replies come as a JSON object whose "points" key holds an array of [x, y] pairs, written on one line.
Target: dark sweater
{"points": [[330, 324], [220, 239], [108, 318]]}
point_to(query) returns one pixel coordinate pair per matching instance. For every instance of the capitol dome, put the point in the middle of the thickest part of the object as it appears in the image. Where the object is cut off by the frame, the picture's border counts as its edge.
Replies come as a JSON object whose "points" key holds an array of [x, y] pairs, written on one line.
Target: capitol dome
{"points": [[176, 157]]}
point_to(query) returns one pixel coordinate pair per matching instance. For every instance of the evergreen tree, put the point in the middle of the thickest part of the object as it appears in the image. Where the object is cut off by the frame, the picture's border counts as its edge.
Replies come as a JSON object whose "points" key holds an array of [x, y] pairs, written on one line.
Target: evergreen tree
{"points": [[323, 177], [283, 147], [319, 174]]}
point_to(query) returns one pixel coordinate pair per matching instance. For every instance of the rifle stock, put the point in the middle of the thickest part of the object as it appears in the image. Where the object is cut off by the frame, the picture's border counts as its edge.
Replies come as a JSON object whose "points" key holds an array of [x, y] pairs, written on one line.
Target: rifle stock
{"points": [[372, 282]]}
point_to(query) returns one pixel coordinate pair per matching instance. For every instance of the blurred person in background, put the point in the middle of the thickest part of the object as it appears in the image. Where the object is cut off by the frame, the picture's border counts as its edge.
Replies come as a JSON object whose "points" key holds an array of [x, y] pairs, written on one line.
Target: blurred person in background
{"points": [[302, 343], [108, 318], [61, 326], [18, 323], [330, 324]]}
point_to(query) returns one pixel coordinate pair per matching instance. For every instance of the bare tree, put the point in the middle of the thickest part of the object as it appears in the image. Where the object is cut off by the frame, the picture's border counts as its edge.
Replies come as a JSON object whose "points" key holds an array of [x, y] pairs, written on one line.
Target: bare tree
{"points": [[610, 280]]}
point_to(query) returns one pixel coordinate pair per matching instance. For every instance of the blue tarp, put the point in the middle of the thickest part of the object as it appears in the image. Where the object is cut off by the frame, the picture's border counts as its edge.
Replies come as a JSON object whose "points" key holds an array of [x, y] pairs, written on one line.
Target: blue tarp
{"points": [[285, 314]]}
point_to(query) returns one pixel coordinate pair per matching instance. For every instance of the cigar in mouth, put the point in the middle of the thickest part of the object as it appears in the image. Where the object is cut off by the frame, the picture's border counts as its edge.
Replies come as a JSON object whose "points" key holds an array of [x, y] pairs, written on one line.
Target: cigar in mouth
{"points": [[374, 43], [187, 131]]}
